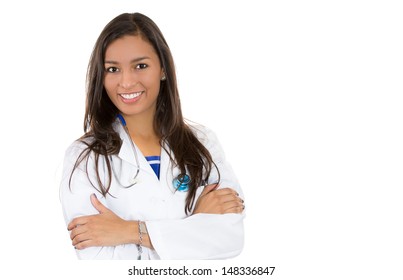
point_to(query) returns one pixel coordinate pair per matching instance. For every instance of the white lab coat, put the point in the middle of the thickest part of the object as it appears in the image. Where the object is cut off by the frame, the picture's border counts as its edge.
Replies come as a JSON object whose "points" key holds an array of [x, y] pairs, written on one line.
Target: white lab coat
{"points": [[173, 234]]}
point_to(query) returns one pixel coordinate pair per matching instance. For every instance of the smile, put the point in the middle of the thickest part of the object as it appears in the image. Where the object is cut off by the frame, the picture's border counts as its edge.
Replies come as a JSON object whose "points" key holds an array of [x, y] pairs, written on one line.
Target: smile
{"points": [[129, 96]]}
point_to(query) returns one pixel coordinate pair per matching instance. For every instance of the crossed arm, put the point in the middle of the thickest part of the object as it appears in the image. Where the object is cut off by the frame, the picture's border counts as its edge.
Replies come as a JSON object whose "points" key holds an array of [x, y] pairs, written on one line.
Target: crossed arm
{"points": [[108, 229]]}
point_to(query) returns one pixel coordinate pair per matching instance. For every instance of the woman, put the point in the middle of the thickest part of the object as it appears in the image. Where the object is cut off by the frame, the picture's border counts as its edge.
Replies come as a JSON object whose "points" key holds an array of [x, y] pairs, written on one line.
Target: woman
{"points": [[141, 183]]}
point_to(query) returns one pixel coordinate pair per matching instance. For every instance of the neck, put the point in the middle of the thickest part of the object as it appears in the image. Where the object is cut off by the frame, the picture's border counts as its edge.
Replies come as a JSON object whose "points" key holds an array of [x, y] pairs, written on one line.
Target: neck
{"points": [[141, 130], [141, 125]]}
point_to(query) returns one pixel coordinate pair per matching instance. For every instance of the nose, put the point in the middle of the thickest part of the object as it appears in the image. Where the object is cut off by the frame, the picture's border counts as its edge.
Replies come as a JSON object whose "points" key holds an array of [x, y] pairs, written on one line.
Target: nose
{"points": [[127, 80]]}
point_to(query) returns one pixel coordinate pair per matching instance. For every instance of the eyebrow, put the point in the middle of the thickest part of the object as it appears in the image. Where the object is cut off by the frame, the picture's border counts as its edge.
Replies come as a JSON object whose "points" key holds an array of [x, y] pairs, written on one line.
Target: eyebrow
{"points": [[131, 61]]}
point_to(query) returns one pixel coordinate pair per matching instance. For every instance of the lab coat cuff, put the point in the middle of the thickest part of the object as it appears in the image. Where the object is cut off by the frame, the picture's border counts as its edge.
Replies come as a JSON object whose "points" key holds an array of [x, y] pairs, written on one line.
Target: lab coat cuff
{"points": [[156, 239]]}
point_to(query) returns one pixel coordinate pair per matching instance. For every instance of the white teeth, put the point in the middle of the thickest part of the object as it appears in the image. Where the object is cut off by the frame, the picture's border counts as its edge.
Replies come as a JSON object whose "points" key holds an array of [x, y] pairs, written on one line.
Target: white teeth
{"points": [[131, 95]]}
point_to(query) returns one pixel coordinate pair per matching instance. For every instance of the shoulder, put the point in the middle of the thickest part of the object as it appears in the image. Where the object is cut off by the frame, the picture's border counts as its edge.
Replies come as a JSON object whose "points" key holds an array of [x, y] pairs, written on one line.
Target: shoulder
{"points": [[209, 140], [203, 133], [89, 145], [77, 148]]}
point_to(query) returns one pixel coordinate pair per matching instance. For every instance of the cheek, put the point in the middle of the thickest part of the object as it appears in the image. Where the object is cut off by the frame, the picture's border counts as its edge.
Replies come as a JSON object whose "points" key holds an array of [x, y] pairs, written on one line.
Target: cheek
{"points": [[108, 84], [110, 89], [152, 82]]}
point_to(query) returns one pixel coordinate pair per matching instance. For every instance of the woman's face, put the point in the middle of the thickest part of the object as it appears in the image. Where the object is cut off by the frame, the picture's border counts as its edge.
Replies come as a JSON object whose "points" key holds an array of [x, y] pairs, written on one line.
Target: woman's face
{"points": [[132, 75]]}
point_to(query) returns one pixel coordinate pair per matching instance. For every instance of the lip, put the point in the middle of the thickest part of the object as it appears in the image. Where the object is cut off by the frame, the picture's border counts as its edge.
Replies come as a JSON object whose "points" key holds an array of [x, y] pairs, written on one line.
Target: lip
{"points": [[130, 97]]}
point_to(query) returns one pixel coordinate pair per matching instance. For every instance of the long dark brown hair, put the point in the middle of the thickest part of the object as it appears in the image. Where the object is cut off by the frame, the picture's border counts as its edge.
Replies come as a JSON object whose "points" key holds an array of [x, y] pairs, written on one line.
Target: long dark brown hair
{"points": [[189, 154]]}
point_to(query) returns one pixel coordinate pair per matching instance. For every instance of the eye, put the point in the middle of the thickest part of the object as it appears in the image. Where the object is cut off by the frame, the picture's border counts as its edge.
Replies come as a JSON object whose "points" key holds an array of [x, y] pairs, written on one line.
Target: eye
{"points": [[141, 66], [112, 69]]}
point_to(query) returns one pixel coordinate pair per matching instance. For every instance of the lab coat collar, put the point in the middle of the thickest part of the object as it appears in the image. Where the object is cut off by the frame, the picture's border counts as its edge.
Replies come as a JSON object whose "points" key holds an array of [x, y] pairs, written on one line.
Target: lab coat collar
{"points": [[126, 152]]}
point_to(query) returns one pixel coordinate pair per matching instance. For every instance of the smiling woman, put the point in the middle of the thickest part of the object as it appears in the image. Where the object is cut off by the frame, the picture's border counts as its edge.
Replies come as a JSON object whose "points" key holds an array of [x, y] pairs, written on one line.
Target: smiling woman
{"points": [[132, 80], [165, 190], [133, 74]]}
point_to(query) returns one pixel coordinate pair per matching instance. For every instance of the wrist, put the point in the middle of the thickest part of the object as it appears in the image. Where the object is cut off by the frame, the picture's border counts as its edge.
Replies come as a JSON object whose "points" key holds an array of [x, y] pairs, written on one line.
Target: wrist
{"points": [[132, 236]]}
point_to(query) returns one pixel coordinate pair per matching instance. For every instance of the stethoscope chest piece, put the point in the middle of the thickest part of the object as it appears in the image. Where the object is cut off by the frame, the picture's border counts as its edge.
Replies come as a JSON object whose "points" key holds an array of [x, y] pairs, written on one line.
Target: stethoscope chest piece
{"points": [[181, 183]]}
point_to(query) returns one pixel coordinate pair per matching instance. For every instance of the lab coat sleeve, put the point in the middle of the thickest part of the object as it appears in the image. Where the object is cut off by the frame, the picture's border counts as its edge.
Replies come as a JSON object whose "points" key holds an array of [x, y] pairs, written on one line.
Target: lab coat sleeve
{"points": [[75, 197], [202, 236]]}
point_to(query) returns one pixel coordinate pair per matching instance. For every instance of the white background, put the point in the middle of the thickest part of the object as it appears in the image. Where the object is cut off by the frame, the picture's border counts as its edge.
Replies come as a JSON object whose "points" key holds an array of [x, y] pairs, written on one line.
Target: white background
{"points": [[305, 96]]}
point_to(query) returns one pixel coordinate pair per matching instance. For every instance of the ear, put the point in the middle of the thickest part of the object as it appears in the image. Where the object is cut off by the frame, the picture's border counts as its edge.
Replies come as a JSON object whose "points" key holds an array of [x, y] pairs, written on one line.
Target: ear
{"points": [[163, 76]]}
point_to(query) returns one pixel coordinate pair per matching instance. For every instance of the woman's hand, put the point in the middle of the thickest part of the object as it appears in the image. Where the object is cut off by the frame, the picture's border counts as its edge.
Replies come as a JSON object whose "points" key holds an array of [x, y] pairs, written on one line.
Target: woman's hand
{"points": [[103, 229], [221, 201]]}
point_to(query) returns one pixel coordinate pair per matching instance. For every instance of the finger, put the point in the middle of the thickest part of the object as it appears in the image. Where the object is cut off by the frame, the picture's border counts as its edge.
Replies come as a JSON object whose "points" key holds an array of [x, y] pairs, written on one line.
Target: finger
{"points": [[77, 230], [234, 206], [229, 196], [83, 244], [226, 191], [80, 238], [97, 204], [77, 222], [236, 209]]}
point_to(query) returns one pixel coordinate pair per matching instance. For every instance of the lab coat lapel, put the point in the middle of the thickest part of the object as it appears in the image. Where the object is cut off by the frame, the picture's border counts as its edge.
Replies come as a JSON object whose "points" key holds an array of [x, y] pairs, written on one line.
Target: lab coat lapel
{"points": [[127, 154], [165, 166]]}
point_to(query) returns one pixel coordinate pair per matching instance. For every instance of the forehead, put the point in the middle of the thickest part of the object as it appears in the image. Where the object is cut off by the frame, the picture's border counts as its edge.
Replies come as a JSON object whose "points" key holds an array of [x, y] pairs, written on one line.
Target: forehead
{"points": [[129, 47]]}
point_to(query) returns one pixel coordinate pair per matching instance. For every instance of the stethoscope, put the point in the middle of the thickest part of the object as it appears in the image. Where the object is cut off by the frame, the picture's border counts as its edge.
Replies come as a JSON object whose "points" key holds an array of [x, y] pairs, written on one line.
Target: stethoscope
{"points": [[181, 183], [134, 180]]}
